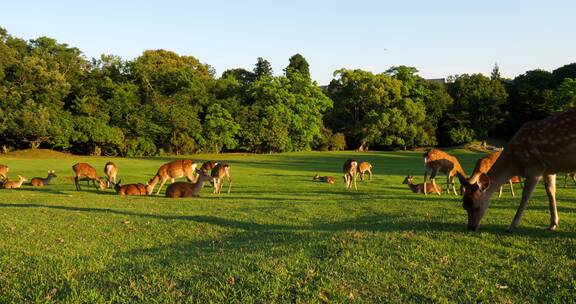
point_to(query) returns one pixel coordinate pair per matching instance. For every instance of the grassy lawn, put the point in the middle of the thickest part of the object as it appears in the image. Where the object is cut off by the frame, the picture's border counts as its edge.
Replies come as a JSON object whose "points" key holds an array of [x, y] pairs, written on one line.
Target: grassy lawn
{"points": [[278, 237]]}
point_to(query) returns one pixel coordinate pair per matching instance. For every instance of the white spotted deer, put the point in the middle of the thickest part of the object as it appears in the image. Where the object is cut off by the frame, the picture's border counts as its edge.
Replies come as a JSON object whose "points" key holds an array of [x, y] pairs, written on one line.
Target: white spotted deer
{"points": [[218, 173], [111, 171], [484, 164], [172, 170], [349, 169], [539, 148], [439, 161], [83, 171], [365, 167]]}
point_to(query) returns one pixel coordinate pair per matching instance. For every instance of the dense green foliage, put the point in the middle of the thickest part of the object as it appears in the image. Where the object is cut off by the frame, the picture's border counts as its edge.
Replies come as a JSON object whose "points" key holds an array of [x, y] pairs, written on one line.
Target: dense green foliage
{"points": [[278, 237], [163, 103]]}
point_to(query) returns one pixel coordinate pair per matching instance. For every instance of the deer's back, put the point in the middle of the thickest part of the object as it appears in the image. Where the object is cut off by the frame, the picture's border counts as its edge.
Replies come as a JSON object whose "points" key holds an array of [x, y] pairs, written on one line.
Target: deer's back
{"points": [[84, 170]]}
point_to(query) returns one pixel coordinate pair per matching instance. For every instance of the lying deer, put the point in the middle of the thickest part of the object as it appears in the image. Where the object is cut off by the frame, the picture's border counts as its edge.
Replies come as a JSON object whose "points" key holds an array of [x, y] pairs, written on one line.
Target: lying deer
{"points": [[130, 189], [419, 188], [4, 172], [350, 167], [539, 148], [484, 164], [184, 189], [111, 171], [172, 170], [218, 173], [439, 161], [14, 184], [83, 171], [365, 167], [41, 182], [324, 179]]}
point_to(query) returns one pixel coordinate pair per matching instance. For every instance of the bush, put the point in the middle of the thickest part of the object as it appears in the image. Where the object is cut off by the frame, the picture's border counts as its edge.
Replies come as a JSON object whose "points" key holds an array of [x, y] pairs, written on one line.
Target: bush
{"points": [[461, 135], [337, 142]]}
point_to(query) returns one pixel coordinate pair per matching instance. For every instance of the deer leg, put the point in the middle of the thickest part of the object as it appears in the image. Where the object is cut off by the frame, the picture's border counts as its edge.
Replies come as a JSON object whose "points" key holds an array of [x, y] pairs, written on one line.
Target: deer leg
{"points": [[77, 183], [550, 182], [370, 174], [453, 185], [565, 180], [511, 187], [161, 185], [229, 183], [529, 186], [500, 192], [574, 178], [354, 179]]}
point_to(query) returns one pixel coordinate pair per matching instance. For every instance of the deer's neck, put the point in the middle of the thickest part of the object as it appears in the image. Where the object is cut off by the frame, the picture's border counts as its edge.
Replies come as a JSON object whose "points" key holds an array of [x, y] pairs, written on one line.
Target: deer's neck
{"points": [[413, 187], [46, 181], [198, 186]]}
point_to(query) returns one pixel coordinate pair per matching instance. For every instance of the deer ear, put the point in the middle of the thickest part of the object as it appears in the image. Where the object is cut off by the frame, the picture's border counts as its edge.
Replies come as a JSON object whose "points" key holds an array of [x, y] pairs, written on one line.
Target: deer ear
{"points": [[463, 181], [483, 182]]}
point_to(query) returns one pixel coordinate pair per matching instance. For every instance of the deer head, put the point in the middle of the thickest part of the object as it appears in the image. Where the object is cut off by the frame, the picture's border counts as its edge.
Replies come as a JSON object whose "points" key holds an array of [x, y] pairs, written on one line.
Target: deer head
{"points": [[475, 199], [408, 180]]}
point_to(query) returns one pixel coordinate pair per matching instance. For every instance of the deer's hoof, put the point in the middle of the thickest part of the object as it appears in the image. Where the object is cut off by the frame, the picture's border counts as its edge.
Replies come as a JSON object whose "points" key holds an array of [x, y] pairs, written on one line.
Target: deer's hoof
{"points": [[553, 227]]}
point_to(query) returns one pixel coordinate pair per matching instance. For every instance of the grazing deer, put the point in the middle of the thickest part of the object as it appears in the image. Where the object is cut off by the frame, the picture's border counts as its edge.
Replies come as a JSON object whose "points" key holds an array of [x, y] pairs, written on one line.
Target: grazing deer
{"points": [[172, 170], [539, 148], [83, 171], [419, 188], [440, 161], [130, 189], [14, 184], [184, 189], [41, 182], [218, 173], [484, 164], [350, 167], [324, 179], [208, 166], [111, 171], [571, 175], [365, 167], [4, 172]]}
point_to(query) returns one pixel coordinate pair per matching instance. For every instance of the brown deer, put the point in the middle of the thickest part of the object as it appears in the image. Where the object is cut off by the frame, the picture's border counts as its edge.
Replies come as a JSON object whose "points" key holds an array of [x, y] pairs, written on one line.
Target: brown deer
{"points": [[539, 148], [365, 167], [350, 168], [218, 173], [173, 170], [83, 171], [324, 179], [111, 171], [41, 182], [208, 166], [14, 184], [4, 172], [419, 188], [130, 189], [184, 189], [440, 161], [484, 164], [572, 175]]}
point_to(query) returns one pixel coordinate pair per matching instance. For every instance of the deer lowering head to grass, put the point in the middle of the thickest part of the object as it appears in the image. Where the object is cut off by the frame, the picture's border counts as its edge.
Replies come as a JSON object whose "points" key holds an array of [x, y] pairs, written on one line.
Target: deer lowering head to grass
{"points": [[365, 167], [539, 148], [324, 179], [14, 184], [218, 173], [4, 172], [349, 169], [484, 164], [419, 188], [184, 189], [172, 170], [41, 182], [130, 189], [438, 161], [208, 166], [83, 171], [572, 175], [111, 171]]}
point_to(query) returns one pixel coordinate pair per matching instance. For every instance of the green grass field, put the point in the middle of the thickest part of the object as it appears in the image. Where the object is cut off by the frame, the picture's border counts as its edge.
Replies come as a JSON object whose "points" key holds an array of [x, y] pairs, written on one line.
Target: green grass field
{"points": [[278, 237]]}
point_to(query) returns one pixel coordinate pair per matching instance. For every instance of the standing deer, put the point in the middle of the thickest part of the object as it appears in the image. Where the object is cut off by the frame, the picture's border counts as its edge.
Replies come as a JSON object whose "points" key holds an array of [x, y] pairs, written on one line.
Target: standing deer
{"points": [[14, 184], [539, 148], [4, 172], [350, 167], [365, 167], [572, 175], [130, 189], [435, 161], [41, 182], [218, 173], [324, 179], [184, 189], [111, 171], [208, 166], [172, 170], [419, 188], [83, 171], [484, 164]]}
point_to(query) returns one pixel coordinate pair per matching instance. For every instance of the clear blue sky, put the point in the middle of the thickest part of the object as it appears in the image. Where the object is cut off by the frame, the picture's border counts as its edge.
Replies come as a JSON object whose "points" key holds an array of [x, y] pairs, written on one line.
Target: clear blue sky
{"points": [[439, 38]]}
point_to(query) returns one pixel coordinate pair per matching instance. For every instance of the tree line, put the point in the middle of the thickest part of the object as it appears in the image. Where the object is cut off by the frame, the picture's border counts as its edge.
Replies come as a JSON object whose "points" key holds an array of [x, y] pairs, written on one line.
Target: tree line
{"points": [[51, 96]]}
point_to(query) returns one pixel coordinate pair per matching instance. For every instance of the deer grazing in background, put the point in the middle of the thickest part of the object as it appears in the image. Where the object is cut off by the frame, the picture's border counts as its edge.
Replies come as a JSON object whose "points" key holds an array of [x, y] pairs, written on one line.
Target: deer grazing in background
{"points": [[41, 182], [349, 169], [484, 164], [539, 148], [172, 170], [130, 189], [365, 167], [111, 171], [419, 188], [324, 179], [4, 172], [83, 171], [184, 189], [572, 175], [439, 161], [218, 173], [14, 184]]}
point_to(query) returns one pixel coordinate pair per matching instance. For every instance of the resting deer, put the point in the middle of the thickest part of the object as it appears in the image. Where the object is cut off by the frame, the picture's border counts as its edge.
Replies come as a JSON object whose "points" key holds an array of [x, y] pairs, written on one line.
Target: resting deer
{"points": [[365, 167], [484, 164], [83, 171], [350, 167], [111, 171], [419, 188], [172, 170], [539, 148], [324, 179], [130, 189], [218, 173], [41, 182], [14, 184], [184, 189], [572, 175], [4, 172], [440, 161]]}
